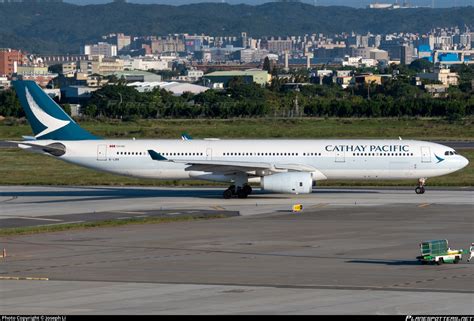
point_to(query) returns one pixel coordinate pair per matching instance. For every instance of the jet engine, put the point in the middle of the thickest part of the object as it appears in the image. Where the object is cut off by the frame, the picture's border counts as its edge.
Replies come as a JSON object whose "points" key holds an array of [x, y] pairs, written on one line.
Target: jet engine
{"points": [[290, 182]]}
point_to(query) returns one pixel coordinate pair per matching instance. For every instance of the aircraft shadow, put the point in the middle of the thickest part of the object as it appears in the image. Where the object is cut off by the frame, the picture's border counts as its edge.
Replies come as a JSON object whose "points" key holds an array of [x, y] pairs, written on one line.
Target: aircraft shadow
{"points": [[104, 193], [385, 262]]}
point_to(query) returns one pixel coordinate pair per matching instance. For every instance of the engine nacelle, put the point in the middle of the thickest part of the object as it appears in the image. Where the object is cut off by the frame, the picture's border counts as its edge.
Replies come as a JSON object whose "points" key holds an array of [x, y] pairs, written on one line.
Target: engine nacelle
{"points": [[290, 182]]}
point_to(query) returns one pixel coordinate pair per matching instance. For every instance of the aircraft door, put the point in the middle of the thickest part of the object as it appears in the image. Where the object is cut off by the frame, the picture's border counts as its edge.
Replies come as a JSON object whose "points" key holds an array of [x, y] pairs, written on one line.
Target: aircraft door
{"points": [[340, 157], [425, 154], [102, 152], [209, 154]]}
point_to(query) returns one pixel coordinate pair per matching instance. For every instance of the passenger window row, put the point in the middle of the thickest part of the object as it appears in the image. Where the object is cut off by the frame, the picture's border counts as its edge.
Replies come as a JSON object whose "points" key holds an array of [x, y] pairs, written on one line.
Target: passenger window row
{"points": [[270, 154], [164, 154], [132, 153], [276, 154], [260, 154], [182, 154], [382, 154]]}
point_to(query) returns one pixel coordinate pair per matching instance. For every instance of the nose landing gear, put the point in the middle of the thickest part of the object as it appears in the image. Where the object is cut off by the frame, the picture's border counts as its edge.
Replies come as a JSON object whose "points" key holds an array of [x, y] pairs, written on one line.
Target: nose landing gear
{"points": [[420, 188]]}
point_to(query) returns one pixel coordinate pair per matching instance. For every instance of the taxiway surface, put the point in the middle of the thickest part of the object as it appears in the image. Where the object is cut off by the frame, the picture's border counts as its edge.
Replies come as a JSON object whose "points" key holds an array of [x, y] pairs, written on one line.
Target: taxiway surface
{"points": [[350, 251]]}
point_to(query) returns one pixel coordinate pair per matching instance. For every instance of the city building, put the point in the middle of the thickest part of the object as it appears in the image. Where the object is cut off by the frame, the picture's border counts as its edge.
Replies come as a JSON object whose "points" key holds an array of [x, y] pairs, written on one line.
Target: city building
{"points": [[437, 90], [32, 70], [368, 79], [193, 43], [68, 69], [101, 65], [344, 81], [100, 49], [378, 54], [9, 61], [260, 77], [136, 76], [49, 60], [123, 43], [176, 88], [445, 76], [194, 75], [43, 80], [4, 83], [278, 46], [146, 63], [77, 94], [169, 44], [406, 54], [251, 55]]}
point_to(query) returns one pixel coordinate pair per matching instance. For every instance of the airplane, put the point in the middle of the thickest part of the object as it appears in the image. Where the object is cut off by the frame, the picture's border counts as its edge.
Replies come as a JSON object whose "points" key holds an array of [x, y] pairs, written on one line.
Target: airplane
{"points": [[279, 165]]}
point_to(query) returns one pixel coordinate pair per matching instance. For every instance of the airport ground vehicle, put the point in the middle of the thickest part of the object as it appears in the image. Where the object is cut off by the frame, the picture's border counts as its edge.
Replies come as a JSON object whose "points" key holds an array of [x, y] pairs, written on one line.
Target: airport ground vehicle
{"points": [[438, 251]]}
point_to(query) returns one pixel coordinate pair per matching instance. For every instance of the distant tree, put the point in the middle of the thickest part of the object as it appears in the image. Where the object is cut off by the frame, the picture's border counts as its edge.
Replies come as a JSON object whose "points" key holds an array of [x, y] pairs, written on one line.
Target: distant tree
{"points": [[419, 65], [266, 65], [91, 110], [9, 104], [55, 69], [66, 108], [39, 34]]}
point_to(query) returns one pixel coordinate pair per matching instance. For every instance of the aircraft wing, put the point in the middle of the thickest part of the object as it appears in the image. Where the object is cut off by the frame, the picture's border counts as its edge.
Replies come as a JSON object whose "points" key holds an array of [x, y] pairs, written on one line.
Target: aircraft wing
{"points": [[215, 166]]}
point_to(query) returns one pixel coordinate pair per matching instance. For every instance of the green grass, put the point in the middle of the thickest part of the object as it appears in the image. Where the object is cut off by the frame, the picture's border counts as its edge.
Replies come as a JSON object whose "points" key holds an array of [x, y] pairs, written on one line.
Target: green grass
{"points": [[97, 224], [410, 128]]}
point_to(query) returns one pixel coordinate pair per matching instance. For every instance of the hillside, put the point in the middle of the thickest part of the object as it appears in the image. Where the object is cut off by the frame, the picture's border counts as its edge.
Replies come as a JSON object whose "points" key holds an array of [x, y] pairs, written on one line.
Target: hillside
{"points": [[63, 27]]}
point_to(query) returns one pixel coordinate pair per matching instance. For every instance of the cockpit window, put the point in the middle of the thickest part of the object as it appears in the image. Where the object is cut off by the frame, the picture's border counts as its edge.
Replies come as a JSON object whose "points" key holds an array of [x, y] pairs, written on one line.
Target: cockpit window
{"points": [[450, 152]]}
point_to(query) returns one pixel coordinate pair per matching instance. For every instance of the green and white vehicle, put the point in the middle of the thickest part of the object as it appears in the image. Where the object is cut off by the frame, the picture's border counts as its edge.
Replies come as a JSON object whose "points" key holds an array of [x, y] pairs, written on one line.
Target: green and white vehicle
{"points": [[438, 251]]}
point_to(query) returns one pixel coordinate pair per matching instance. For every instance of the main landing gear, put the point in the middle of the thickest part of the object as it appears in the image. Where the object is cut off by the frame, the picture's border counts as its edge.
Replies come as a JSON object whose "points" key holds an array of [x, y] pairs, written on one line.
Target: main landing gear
{"points": [[420, 188], [240, 192]]}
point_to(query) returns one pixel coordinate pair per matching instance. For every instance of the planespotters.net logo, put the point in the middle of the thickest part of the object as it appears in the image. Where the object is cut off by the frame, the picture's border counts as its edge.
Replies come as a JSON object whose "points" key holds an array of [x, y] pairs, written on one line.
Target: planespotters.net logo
{"points": [[439, 318]]}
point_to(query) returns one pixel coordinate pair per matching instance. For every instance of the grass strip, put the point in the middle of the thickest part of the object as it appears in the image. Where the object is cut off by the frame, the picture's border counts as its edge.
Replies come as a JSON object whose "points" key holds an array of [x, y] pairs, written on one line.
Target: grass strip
{"points": [[102, 224]]}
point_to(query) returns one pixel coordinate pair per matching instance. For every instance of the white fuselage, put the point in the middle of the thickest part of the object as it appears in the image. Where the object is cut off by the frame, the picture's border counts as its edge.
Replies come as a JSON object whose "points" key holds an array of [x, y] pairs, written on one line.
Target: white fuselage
{"points": [[332, 159]]}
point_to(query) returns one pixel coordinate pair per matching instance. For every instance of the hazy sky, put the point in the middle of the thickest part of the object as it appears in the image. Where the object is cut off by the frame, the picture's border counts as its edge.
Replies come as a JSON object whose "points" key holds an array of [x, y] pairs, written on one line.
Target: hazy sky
{"points": [[352, 3]]}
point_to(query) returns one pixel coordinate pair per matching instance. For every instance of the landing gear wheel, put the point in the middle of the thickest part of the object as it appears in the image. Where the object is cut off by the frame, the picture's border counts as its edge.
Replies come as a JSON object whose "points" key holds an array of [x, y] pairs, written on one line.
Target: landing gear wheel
{"points": [[247, 189], [227, 193], [420, 190], [241, 193]]}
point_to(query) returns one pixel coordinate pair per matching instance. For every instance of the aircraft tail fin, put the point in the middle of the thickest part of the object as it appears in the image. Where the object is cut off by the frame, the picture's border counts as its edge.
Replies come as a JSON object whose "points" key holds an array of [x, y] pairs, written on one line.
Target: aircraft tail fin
{"points": [[47, 119]]}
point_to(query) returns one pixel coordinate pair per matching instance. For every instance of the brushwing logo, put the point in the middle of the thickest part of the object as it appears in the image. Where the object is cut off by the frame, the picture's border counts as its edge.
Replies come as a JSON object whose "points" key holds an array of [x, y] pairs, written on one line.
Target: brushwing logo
{"points": [[52, 124], [439, 159]]}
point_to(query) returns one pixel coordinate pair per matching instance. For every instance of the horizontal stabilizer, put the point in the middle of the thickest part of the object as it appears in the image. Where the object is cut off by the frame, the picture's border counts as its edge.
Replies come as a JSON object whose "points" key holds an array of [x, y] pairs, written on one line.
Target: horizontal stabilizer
{"points": [[156, 156], [56, 149]]}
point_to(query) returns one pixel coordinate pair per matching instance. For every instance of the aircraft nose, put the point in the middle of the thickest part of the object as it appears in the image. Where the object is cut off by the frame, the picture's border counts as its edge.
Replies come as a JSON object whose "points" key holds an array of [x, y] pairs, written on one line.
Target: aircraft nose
{"points": [[463, 161]]}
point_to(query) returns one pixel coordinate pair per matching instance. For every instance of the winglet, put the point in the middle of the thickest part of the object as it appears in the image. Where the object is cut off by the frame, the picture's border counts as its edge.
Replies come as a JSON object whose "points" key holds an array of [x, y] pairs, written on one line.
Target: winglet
{"points": [[185, 136], [156, 156]]}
